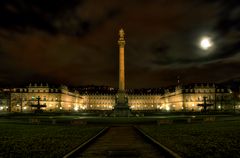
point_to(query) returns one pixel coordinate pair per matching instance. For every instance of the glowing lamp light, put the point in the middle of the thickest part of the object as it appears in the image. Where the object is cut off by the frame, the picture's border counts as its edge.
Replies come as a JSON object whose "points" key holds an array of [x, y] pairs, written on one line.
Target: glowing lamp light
{"points": [[167, 108], [1, 108], [206, 43], [76, 108], [24, 108]]}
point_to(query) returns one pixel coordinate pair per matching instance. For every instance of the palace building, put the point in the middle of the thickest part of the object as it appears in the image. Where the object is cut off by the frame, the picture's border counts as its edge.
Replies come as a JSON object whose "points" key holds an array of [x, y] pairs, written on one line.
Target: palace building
{"points": [[178, 98]]}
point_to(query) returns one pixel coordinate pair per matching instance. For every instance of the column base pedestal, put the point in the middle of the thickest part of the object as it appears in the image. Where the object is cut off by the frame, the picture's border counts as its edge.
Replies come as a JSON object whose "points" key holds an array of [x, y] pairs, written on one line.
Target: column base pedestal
{"points": [[121, 110]]}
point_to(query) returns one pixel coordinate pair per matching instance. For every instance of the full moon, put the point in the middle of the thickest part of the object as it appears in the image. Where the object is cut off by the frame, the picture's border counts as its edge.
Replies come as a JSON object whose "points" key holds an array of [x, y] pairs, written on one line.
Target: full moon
{"points": [[206, 43]]}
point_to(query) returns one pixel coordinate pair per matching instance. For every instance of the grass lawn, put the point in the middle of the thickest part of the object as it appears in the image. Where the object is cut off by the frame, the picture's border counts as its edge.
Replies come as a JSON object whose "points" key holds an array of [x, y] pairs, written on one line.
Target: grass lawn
{"points": [[215, 139], [23, 140]]}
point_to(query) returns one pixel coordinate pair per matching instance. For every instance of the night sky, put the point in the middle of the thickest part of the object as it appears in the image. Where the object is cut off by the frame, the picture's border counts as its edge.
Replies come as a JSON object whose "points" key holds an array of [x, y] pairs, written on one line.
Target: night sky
{"points": [[74, 42]]}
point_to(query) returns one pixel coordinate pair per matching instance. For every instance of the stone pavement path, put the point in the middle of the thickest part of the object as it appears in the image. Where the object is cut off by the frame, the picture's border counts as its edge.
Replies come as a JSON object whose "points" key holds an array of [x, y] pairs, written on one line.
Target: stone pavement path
{"points": [[121, 142]]}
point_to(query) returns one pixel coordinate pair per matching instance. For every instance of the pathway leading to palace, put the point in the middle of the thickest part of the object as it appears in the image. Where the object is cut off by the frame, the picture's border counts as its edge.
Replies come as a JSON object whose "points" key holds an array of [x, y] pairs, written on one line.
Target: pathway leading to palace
{"points": [[121, 141]]}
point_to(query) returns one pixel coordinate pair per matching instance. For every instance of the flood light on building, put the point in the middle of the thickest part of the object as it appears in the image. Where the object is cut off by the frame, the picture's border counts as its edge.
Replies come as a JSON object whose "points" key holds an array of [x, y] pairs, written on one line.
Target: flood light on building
{"points": [[1, 108], [60, 108], [17, 105], [219, 107], [76, 108], [24, 108], [167, 108]]}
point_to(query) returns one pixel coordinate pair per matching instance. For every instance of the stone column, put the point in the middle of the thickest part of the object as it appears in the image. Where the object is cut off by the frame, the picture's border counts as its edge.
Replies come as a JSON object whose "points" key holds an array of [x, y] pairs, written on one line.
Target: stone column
{"points": [[121, 108], [121, 43]]}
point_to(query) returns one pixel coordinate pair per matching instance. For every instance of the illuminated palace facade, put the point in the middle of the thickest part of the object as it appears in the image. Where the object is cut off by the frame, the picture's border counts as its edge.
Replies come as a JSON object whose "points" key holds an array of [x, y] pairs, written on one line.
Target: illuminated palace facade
{"points": [[179, 98]]}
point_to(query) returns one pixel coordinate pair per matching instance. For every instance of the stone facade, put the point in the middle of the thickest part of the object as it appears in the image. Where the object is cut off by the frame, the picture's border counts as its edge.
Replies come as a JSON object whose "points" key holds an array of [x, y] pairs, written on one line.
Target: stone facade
{"points": [[179, 98], [55, 99]]}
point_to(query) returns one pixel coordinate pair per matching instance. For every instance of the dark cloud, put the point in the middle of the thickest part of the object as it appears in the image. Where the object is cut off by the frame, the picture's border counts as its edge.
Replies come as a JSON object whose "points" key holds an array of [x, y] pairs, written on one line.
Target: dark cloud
{"points": [[75, 42]]}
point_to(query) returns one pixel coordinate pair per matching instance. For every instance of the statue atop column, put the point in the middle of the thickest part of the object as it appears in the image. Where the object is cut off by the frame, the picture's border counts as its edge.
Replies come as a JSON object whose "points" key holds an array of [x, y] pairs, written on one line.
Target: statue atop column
{"points": [[121, 33], [121, 40]]}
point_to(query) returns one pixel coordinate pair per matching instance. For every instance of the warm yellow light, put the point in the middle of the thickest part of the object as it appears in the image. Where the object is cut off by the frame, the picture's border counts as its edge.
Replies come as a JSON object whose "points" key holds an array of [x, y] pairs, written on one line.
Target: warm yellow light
{"points": [[167, 108], [76, 108]]}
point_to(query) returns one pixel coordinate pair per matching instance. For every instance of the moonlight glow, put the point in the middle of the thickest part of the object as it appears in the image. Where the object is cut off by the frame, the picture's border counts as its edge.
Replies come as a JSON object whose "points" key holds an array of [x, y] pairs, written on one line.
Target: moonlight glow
{"points": [[206, 43]]}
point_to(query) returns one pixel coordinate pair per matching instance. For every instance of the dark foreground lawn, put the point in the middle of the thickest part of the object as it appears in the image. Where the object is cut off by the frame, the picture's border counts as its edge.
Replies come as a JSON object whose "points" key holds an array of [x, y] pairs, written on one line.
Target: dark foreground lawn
{"points": [[23, 140], [208, 140]]}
